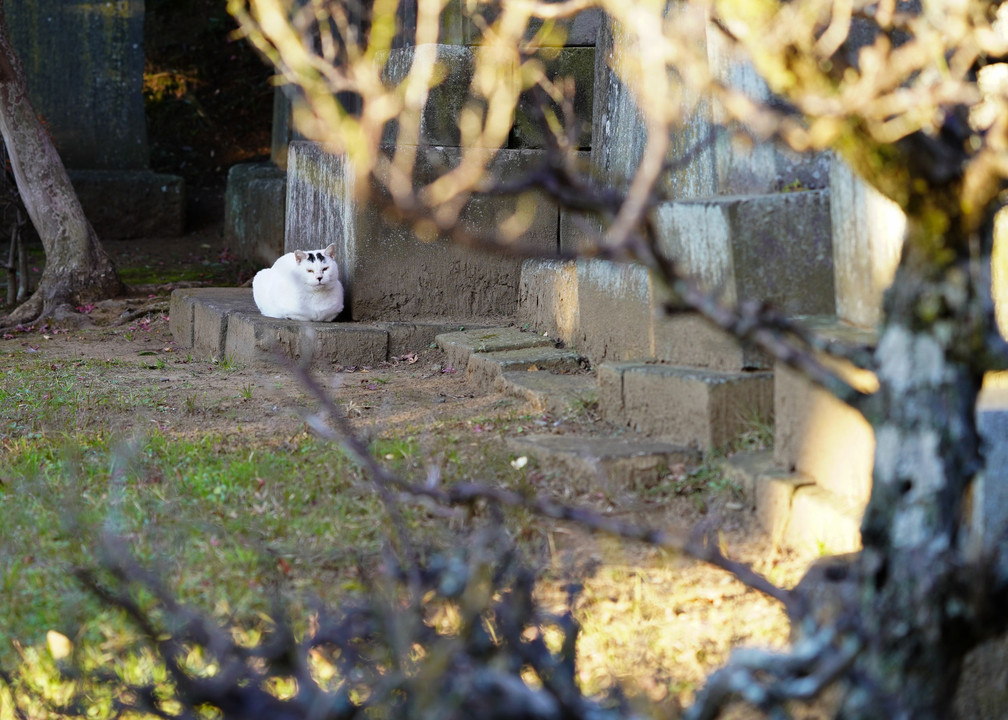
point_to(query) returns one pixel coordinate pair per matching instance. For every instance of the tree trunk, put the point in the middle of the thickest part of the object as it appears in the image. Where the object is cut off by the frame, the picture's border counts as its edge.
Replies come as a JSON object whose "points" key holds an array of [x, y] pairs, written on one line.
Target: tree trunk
{"points": [[77, 269], [922, 606]]}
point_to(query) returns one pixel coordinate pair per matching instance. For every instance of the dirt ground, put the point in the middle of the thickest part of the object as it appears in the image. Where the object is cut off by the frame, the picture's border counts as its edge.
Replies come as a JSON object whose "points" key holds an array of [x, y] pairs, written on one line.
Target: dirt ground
{"points": [[644, 607]]}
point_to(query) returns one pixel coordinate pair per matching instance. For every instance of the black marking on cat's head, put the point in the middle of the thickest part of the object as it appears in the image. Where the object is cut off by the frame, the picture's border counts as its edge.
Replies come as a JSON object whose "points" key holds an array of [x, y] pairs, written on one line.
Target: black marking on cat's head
{"points": [[311, 257]]}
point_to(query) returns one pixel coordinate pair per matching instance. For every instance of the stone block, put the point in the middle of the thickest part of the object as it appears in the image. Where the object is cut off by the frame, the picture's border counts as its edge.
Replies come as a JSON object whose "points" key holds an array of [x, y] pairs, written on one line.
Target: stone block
{"points": [[772, 248], [458, 27], [746, 469], [344, 344], [578, 232], [548, 298], [391, 274], [439, 123], [407, 337], [254, 212], [716, 165], [821, 437], [773, 497], [689, 339], [615, 311], [704, 409], [548, 392], [180, 317], [570, 64], [989, 497], [822, 523], [85, 62], [252, 338], [460, 345], [282, 127], [484, 368], [212, 309], [867, 231], [122, 204]]}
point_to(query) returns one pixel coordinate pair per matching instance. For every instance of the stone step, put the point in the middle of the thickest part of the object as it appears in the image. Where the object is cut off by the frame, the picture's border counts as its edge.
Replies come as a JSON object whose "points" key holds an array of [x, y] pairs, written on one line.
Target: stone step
{"points": [[818, 435], [483, 369], [702, 408], [488, 353], [548, 392], [225, 323], [458, 346], [797, 513], [608, 465]]}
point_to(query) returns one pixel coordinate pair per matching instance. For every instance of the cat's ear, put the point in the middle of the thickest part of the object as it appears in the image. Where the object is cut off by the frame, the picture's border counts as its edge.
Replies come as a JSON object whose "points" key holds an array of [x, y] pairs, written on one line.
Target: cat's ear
{"points": [[299, 255], [331, 251]]}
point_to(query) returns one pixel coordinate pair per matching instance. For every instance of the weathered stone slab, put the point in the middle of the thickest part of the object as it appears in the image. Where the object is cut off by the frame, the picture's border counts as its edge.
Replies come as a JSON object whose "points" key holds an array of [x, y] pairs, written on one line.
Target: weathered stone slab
{"points": [[204, 330], [704, 409], [615, 311], [211, 312], [822, 523], [576, 64], [989, 501], [85, 62], [180, 317], [746, 468], [225, 323], [484, 368], [459, 346], [345, 344], [867, 231], [774, 497], [406, 337], [445, 101], [715, 165], [688, 339], [772, 248], [548, 298], [257, 339], [554, 393], [605, 465], [458, 27], [123, 204], [821, 437], [254, 211], [251, 338], [388, 272]]}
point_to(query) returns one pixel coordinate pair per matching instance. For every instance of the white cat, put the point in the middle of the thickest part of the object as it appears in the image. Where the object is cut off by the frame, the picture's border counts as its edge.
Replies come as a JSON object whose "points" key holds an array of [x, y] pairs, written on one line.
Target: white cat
{"points": [[301, 285]]}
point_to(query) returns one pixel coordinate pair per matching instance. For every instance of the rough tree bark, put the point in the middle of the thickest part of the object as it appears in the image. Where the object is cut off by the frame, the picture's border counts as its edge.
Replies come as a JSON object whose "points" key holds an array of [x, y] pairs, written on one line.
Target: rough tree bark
{"points": [[926, 597], [77, 270]]}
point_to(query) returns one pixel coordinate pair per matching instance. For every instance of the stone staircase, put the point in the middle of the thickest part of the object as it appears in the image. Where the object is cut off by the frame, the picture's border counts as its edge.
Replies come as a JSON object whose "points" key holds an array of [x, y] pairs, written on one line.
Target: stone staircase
{"points": [[682, 411], [801, 493], [225, 323]]}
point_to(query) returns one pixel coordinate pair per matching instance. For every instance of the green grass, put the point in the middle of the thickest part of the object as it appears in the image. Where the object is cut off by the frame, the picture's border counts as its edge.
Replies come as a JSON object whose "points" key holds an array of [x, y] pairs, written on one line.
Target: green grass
{"points": [[215, 513], [226, 519]]}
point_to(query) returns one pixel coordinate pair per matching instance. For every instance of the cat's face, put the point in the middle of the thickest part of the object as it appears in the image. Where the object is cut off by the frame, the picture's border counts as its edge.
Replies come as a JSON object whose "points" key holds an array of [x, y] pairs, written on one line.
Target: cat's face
{"points": [[318, 266]]}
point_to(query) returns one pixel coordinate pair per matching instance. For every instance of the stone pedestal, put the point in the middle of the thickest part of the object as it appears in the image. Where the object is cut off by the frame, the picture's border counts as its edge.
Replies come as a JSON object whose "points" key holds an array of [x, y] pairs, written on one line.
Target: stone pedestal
{"points": [[388, 271], [84, 61], [255, 211], [867, 239]]}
